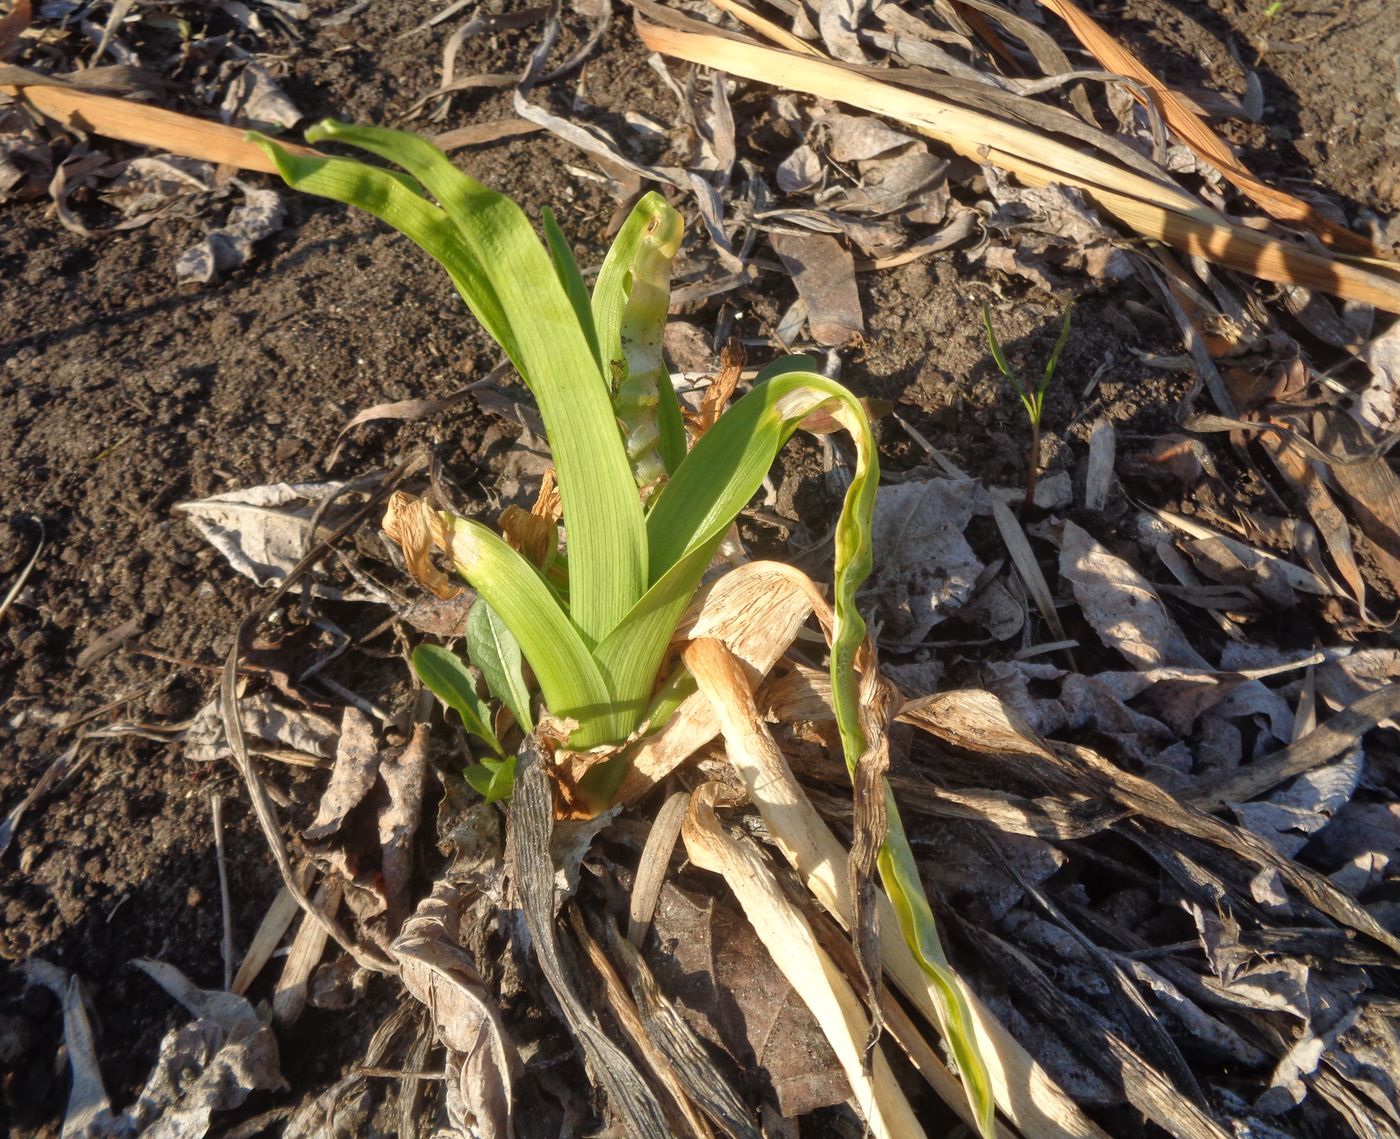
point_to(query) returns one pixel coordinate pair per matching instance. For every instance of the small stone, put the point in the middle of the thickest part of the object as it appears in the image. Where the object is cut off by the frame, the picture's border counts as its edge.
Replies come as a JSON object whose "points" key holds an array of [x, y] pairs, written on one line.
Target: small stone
{"points": [[1054, 492]]}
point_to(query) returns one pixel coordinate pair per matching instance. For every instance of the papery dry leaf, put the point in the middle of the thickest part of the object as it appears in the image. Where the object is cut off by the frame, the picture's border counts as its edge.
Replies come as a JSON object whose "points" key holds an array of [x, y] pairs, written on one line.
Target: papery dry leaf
{"points": [[926, 570], [264, 531], [89, 1111], [1021, 1087], [727, 986], [212, 1064], [144, 125], [256, 101], [1376, 405], [756, 610], [530, 824], [1099, 477], [687, 1121], [1122, 606], [265, 722], [825, 275], [396, 409], [855, 138], [799, 171], [1287, 818], [308, 944]]}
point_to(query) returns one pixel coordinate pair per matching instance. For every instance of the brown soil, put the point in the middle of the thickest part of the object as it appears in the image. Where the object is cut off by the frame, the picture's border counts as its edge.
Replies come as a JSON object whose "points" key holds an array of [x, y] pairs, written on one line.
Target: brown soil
{"points": [[123, 393]]}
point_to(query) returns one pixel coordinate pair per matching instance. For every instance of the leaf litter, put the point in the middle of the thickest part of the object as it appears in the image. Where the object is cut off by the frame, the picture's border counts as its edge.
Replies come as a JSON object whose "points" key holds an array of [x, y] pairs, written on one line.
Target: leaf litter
{"points": [[1173, 697]]}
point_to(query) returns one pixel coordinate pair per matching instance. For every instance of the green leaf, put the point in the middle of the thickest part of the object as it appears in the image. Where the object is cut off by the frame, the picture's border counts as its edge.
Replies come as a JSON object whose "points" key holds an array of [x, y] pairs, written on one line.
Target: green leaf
{"points": [[492, 779], [614, 284], [631, 655], [1060, 342], [900, 874], [447, 678], [569, 677], [674, 442], [571, 277], [398, 200], [510, 282], [494, 649]]}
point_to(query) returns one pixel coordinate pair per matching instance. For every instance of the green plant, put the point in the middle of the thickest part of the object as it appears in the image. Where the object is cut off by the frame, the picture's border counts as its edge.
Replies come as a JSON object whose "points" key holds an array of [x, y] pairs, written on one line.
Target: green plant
{"points": [[643, 514], [1032, 401]]}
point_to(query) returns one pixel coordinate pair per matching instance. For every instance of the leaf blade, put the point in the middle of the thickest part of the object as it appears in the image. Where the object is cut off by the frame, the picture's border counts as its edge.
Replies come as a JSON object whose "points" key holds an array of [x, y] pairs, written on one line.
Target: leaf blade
{"points": [[447, 678], [494, 649]]}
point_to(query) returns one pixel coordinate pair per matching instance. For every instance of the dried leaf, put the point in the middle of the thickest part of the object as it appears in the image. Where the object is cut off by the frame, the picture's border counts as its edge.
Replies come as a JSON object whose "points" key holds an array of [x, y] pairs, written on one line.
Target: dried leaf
{"points": [[855, 138], [1288, 818], [1377, 405], [404, 771], [418, 529], [926, 569], [825, 276], [256, 101], [1205, 142], [1099, 479], [89, 1111], [262, 720], [264, 531], [790, 941], [397, 409], [481, 1061], [212, 1064], [799, 171], [1122, 606], [231, 245], [308, 944], [1151, 204], [733, 995], [356, 764], [530, 825]]}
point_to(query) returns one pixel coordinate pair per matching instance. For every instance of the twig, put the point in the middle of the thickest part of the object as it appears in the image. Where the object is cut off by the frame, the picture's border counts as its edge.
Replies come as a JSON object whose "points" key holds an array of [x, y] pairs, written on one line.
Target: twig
{"points": [[216, 805], [13, 591], [366, 956]]}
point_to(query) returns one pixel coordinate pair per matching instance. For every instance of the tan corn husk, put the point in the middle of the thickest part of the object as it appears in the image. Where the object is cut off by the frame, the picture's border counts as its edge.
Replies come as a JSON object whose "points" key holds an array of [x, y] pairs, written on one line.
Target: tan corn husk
{"points": [[1158, 210]]}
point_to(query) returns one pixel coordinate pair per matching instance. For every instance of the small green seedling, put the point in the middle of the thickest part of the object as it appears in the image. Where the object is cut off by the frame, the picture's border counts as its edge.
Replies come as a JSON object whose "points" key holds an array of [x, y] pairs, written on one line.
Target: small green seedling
{"points": [[644, 515], [1033, 402]]}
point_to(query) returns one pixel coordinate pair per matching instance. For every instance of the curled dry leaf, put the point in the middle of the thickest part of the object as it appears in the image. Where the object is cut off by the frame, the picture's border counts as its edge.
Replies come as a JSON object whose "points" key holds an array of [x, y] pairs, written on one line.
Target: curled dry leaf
{"points": [[718, 392], [481, 1061], [419, 530], [254, 99], [535, 532], [231, 245]]}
